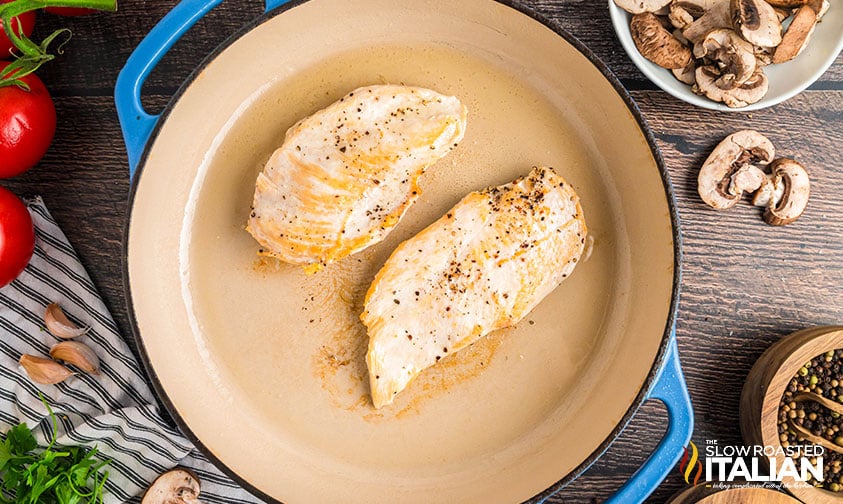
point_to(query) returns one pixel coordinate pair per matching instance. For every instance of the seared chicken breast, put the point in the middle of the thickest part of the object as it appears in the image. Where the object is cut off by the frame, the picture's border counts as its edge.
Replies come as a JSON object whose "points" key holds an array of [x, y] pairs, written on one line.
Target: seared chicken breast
{"points": [[482, 266], [345, 176]]}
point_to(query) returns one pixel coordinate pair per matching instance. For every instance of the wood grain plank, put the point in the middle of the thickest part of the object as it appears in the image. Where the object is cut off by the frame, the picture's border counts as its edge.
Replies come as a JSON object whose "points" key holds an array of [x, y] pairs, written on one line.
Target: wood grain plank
{"points": [[745, 284]]}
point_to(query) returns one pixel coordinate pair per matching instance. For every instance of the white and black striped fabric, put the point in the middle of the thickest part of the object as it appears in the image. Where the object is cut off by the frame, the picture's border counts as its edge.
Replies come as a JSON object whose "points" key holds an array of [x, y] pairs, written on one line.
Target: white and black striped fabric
{"points": [[114, 411]]}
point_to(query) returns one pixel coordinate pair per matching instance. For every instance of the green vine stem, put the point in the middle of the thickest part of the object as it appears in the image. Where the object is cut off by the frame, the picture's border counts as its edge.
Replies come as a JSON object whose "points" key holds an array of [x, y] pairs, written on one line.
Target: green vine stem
{"points": [[30, 55]]}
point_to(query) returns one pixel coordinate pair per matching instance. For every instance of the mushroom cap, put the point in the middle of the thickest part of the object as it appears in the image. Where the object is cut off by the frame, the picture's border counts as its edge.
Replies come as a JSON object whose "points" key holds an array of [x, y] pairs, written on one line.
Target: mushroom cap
{"points": [[734, 55], [639, 6], [732, 168], [757, 22], [799, 32], [747, 93], [797, 190], [177, 486], [657, 44]]}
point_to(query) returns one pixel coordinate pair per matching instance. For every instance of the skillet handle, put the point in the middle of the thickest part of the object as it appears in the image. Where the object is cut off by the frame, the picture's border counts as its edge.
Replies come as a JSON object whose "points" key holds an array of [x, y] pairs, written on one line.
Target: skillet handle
{"points": [[135, 122], [669, 388]]}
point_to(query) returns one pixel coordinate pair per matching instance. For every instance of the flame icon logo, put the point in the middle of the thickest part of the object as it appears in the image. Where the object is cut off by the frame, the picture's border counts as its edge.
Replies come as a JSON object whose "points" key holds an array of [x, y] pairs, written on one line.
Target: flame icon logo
{"points": [[690, 461]]}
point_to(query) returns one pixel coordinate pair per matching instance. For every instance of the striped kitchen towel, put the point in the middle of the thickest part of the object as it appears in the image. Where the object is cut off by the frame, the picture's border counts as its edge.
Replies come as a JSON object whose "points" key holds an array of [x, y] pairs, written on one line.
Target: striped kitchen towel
{"points": [[115, 410]]}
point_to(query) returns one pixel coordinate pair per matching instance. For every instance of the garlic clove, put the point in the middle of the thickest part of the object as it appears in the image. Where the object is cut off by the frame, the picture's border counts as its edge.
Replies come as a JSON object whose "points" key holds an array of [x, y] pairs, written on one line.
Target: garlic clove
{"points": [[44, 371], [59, 325], [76, 354]]}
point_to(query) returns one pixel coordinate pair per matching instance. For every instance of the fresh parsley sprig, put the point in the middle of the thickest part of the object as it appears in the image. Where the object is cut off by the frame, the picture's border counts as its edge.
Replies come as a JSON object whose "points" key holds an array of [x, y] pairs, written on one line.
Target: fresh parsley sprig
{"points": [[56, 475]]}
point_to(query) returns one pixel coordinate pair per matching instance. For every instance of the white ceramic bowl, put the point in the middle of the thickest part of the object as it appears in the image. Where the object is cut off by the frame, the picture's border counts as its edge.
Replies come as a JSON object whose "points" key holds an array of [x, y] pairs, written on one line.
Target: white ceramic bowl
{"points": [[786, 79]]}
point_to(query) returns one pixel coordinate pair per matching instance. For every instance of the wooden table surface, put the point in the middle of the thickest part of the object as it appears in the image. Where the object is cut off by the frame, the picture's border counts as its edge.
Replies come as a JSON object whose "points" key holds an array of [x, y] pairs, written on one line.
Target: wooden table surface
{"points": [[745, 284]]}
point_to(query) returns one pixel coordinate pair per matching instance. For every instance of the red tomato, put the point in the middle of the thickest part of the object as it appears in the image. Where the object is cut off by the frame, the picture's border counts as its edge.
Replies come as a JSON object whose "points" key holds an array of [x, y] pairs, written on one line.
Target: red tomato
{"points": [[27, 125], [70, 11], [27, 21], [17, 236]]}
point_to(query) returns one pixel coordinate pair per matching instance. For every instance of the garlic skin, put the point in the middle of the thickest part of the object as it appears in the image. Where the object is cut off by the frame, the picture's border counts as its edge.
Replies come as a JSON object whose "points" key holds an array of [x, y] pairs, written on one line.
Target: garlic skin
{"points": [[59, 325], [44, 371], [76, 354]]}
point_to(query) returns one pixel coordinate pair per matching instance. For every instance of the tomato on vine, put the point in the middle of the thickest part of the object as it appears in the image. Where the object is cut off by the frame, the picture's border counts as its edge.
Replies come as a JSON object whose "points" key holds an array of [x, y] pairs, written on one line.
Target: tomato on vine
{"points": [[27, 113], [27, 124]]}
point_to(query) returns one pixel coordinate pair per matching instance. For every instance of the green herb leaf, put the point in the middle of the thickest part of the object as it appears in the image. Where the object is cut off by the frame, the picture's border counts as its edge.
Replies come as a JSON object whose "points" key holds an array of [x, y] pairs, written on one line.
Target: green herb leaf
{"points": [[60, 475], [20, 439]]}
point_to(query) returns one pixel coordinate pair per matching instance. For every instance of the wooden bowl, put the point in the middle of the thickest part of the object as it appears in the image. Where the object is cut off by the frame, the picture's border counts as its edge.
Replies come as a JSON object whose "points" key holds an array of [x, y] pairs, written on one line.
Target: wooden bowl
{"points": [[765, 386], [704, 495]]}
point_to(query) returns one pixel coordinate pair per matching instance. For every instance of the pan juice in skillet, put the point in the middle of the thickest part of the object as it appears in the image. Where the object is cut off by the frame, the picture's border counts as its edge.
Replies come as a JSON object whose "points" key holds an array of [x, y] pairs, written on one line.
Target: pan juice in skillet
{"points": [[289, 348]]}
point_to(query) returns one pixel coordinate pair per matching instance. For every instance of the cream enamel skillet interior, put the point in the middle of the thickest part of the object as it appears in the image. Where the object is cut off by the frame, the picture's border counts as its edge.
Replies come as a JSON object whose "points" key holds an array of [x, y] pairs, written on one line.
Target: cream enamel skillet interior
{"points": [[265, 366]]}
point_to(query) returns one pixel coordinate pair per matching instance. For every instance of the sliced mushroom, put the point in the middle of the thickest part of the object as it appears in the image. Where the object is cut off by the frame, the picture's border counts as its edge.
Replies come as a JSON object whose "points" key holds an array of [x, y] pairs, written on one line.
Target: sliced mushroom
{"points": [[656, 43], [797, 190], [763, 56], [747, 179], [757, 22], [686, 75], [747, 93], [782, 13], [732, 168], [664, 11], [823, 8], [770, 192], [679, 17], [177, 486], [684, 12], [681, 38], [799, 32], [639, 6], [787, 4], [735, 57], [717, 16]]}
